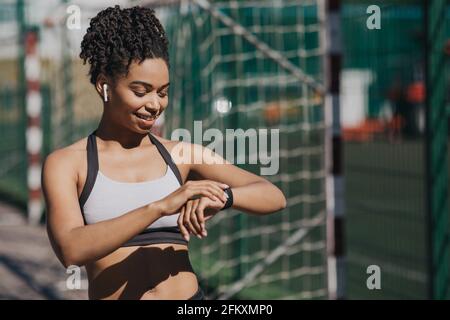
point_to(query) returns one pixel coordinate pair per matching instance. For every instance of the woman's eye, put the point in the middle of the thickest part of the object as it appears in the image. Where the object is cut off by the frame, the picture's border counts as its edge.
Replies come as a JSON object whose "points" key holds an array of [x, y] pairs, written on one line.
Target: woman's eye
{"points": [[139, 94]]}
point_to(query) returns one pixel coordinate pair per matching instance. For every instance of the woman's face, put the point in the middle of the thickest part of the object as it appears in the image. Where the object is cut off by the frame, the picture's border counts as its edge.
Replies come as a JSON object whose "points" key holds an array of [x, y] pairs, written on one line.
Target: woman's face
{"points": [[142, 93]]}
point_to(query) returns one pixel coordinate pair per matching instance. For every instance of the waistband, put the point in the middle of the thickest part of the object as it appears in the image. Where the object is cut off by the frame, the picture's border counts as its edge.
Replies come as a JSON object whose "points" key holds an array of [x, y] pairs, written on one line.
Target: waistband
{"points": [[157, 235]]}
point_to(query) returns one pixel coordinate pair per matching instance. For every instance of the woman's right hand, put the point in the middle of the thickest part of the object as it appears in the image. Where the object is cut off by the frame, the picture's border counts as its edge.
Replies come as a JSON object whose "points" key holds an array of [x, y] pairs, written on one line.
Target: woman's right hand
{"points": [[173, 203]]}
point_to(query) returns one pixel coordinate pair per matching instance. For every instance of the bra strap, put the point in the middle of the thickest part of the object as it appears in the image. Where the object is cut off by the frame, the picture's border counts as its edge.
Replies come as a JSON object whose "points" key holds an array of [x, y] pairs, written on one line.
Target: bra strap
{"points": [[92, 168], [166, 156]]}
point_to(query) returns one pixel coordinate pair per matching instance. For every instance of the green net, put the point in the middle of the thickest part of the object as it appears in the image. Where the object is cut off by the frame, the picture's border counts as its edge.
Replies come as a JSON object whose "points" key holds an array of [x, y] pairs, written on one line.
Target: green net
{"points": [[385, 190], [12, 145], [70, 108], [254, 56]]}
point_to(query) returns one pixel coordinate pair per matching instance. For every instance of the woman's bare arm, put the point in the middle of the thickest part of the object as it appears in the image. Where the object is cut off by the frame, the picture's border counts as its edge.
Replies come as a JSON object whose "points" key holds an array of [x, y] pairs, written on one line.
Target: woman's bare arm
{"points": [[77, 244], [251, 193], [73, 242]]}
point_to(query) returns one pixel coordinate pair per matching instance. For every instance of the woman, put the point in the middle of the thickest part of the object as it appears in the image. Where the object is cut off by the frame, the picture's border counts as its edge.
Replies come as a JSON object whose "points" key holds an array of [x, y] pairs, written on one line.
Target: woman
{"points": [[116, 201]]}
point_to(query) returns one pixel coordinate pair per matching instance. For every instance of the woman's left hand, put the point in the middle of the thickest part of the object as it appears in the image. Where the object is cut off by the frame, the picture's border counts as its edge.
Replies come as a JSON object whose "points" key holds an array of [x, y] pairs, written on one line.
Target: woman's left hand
{"points": [[195, 213]]}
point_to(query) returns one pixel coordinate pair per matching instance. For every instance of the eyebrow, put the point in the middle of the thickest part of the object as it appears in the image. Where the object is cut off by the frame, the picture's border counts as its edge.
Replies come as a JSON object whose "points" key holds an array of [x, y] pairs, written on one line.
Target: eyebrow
{"points": [[148, 85]]}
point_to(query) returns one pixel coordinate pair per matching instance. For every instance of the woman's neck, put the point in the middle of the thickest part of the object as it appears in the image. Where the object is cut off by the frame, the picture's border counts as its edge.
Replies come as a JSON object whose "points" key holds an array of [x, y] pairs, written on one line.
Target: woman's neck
{"points": [[119, 137]]}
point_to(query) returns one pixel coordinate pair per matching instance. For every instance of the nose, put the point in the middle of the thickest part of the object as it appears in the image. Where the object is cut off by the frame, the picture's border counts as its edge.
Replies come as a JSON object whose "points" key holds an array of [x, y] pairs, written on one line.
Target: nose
{"points": [[152, 107]]}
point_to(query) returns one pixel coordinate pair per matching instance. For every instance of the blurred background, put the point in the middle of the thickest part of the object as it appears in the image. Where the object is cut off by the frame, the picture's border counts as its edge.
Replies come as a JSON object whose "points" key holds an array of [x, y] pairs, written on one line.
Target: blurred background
{"points": [[359, 91]]}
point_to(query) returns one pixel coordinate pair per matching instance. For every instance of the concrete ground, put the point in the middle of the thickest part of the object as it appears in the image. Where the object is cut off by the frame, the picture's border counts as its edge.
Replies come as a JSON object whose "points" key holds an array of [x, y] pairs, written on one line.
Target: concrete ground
{"points": [[29, 268]]}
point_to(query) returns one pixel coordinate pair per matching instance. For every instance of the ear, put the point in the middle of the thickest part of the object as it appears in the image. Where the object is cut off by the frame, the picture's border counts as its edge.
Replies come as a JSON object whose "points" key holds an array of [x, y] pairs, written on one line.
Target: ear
{"points": [[101, 80]]}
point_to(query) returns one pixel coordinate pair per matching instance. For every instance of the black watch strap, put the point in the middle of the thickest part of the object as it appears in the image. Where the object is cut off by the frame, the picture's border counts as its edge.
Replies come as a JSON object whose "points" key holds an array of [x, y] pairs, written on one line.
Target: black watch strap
{"points": [[229, 202]]}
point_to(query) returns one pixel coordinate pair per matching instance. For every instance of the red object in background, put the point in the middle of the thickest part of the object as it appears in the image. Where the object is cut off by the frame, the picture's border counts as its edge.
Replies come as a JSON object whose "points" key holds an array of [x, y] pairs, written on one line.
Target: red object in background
{"points": [[272, 113], [31, 39], [364, 132], [49, 23], [416, 92], [371, 127]]}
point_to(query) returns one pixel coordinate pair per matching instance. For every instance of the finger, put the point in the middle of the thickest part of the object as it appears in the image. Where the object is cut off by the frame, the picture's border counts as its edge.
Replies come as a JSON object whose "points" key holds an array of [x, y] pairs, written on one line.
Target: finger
{"points": [[220, 193], [214, 187], [201, 218], [220, 184], [194, 219], [208, 217], [183, 230], [200, 211], [187, 217], [194, 193], [217, 190]]}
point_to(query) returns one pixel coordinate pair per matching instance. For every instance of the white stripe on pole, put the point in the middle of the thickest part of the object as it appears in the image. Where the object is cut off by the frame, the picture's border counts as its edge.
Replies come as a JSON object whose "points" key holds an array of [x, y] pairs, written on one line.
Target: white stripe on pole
{"points": [[34, 211], [331, 41], [34, 139], [32, 67], [33, 132], [34, 176], [34, 104]]}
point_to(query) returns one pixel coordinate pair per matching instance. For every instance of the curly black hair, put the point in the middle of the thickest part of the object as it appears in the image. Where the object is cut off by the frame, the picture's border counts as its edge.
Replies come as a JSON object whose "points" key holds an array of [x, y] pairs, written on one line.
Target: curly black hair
{"points": [[116, 37]]}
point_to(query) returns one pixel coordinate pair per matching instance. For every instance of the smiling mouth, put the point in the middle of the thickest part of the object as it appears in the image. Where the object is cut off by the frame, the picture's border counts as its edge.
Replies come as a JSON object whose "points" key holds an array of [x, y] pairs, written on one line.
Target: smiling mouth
{"points": [[145, 117]]}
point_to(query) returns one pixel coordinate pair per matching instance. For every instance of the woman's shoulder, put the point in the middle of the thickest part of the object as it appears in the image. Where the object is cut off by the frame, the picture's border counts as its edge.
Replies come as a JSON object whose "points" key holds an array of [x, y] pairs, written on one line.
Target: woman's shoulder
{"points": [[184, 152], [69, 156], [170, 144], [72, 150], [181, 151]]}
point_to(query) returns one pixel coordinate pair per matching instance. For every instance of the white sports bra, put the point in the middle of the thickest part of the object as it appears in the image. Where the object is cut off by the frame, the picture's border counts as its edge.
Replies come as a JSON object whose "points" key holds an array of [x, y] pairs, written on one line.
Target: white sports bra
{"points": [[103, 198]]}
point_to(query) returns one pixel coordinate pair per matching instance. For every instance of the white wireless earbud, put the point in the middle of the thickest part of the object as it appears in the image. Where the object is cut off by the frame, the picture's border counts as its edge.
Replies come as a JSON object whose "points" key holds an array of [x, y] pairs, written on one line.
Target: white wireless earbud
{"points": [[105, 95]]}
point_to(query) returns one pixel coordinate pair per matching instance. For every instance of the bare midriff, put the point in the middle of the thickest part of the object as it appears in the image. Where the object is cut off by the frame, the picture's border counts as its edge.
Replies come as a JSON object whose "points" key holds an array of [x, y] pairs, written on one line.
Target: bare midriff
{"points": [[153, 272]]}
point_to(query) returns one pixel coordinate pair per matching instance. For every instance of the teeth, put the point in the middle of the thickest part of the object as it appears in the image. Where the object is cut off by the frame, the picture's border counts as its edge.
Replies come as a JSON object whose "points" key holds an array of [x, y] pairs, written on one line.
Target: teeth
{"points": [[144, 117]]}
